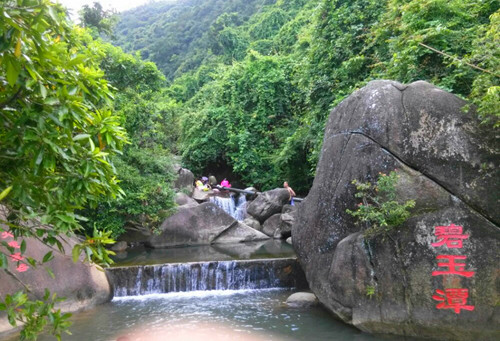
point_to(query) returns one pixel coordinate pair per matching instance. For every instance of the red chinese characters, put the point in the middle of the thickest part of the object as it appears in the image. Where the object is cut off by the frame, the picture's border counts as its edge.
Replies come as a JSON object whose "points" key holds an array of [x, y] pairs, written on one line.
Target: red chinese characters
{"points": [[455, 299], [451, 298], [453, 267], [451, 236]]}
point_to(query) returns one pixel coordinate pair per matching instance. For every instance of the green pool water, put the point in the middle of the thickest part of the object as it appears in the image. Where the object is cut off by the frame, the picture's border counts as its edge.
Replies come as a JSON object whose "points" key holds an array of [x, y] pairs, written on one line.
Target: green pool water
{"points": [[215, 252], [211, 315]]}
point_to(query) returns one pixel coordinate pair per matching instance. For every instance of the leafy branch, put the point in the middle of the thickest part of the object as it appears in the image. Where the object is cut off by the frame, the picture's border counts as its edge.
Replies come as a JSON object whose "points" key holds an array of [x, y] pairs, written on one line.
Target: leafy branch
{"points": [[379, 208]]}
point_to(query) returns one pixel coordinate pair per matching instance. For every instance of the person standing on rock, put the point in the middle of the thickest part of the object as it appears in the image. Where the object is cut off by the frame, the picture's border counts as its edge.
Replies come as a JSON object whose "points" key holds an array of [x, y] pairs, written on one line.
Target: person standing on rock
{"points": [[290, 191]]}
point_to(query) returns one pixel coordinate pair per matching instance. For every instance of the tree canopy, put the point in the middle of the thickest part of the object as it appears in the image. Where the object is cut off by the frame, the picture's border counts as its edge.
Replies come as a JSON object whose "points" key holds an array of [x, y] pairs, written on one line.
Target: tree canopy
{"points": [[256, 84]]}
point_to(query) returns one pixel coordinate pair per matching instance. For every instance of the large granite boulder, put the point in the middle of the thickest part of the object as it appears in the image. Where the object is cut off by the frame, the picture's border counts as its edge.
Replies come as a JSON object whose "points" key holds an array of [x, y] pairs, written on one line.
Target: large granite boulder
{"points": [[202, 225], [268, 203], [448, 164], [83, 285]]}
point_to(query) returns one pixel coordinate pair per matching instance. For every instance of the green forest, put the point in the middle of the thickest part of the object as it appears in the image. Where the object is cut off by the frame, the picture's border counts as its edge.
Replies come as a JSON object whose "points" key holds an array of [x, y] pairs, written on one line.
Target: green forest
{"points": [[251, 83], [94, 115]]}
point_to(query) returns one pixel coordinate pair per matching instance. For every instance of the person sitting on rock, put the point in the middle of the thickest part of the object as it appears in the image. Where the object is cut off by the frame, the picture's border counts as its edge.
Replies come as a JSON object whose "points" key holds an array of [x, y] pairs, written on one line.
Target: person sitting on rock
{"points": [[212, 181], [225, 183], [200, 186], [290, 191]]}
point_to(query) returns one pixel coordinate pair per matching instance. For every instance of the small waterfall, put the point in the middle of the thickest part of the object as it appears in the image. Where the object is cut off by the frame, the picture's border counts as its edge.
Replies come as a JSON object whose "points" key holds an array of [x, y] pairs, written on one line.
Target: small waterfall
{"points": [[221, 275], [236, 208]]}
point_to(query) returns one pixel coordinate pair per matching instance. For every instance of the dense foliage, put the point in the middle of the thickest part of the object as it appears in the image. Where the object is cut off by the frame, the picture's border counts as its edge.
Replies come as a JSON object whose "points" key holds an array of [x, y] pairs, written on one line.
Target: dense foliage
{"points": [[65, 100], [256, 82], [379, 211], [57, 137], [145, 167]]}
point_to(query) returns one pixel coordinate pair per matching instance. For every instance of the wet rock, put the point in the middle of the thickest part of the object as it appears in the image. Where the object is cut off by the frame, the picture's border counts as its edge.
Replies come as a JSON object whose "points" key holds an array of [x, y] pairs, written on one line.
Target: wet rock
{"points": [[289, 240], [119, 246], [272, 225], [449, 165], [268, 203], [201, 225], [135, 235], [302, 300]]}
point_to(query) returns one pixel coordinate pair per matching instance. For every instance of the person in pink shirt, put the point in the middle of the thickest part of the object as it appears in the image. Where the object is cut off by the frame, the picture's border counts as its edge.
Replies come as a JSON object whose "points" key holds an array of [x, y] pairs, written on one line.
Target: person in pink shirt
{"points": [[225, 183]]}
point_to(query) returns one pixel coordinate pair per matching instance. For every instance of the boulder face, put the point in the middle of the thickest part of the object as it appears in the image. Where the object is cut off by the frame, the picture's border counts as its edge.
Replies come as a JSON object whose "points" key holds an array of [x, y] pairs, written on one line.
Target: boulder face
{"points": [[202, 225], [449, 166], [82, 284], [184, 181], [268, 203], [183, 199], [272, 224]]}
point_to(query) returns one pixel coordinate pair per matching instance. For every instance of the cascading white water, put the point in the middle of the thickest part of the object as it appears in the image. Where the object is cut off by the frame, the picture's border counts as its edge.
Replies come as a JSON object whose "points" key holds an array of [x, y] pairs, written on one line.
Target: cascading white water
{"points": [[222, 275], [235, 208]]}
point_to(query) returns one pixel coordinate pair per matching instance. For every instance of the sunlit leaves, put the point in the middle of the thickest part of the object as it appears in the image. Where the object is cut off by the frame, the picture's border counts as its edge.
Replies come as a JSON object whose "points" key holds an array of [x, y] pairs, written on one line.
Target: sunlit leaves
{"points": [[55, 113]]}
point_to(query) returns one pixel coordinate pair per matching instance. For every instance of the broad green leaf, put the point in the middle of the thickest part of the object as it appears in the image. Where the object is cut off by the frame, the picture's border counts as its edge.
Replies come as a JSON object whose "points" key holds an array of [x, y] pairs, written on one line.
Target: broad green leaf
{"points": [[48, 256], [3, 261], [43, 90], [77, 60], [17, 51], [80, 137], [13, 70], [5, 192], [76, 253]]}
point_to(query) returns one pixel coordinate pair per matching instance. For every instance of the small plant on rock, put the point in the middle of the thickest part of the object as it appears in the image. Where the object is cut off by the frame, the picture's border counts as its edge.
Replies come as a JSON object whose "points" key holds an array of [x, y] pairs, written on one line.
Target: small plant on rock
{"points": [[379, 207], [370, 291]]}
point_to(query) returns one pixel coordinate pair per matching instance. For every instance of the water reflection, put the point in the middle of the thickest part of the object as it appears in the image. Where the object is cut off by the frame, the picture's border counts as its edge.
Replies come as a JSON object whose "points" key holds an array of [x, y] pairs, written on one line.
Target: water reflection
{"points": [[216, 252]]}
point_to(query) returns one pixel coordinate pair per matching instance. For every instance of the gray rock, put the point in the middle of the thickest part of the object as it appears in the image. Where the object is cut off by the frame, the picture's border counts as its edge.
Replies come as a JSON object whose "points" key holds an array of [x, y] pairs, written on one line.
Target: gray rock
{"points": [[286, 222], [289, 240], [253, 223], [449, 165], [289, 208], [302, 300], [202, 225], [184, 181], [135, 235], [251, 197], [268, 203], [182, 199], [272, 225], [119, 246], [202, 196]]}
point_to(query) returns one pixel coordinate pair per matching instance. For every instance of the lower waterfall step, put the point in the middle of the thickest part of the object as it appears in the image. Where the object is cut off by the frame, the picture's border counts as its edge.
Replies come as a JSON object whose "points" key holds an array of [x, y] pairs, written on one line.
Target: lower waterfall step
{"points": [[214, 275]]}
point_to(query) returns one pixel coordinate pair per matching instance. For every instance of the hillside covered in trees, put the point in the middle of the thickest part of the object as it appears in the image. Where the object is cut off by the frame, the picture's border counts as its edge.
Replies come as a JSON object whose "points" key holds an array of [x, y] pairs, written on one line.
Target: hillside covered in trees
{"points": [[253, 81]]}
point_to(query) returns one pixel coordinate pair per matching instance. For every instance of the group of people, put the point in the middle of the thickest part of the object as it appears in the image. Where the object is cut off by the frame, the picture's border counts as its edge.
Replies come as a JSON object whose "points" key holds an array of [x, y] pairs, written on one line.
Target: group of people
{"points": [[205, 184]]}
